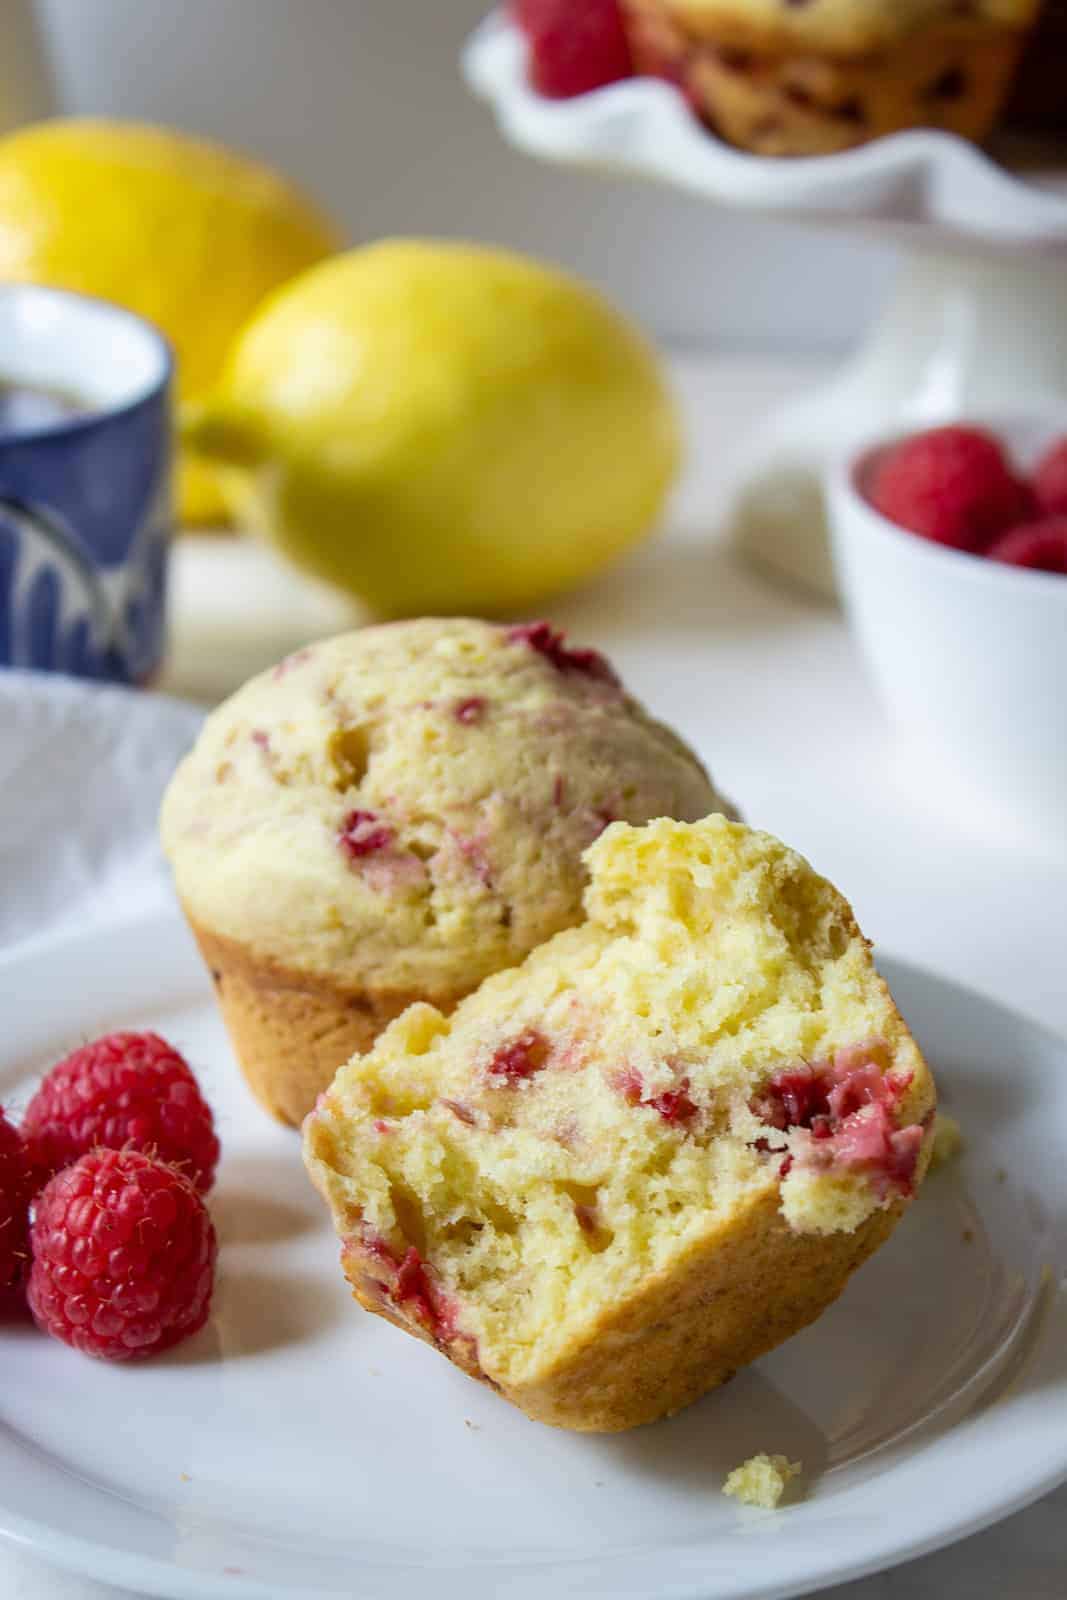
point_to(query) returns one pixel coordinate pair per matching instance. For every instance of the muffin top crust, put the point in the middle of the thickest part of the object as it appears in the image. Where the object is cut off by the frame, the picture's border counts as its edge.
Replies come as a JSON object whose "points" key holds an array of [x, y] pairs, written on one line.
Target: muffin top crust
{"points": [[404, 808], [840, 27]]}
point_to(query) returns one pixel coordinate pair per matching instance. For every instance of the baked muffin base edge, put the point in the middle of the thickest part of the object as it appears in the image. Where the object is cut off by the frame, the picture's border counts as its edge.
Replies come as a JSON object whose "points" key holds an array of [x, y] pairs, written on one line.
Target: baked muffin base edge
{"points": [[290, 1031], [689, 1329]]}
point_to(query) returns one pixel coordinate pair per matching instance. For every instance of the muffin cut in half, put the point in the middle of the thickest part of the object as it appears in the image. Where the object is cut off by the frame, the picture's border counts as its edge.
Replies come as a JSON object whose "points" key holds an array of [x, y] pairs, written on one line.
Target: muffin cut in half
{"points": [[391, 816], [810, 77], [648, 1155]]}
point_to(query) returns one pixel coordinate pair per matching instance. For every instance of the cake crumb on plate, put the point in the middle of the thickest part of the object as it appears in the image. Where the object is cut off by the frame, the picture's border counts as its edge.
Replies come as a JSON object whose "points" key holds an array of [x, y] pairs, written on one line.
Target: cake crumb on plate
{"points": [[762, 1480], [948, 1140]]}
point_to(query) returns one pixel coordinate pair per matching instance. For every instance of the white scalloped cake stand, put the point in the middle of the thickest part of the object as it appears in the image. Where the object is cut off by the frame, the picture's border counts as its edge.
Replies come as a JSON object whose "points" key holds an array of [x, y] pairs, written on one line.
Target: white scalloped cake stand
{"points": [[977, 323]]}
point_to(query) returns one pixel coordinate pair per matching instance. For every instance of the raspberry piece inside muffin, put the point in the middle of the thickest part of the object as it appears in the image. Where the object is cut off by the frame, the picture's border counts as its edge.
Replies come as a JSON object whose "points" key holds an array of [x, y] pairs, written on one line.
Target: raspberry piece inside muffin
{"points": [[363, 834], [846, 1114], [520, 1059], [652, 1151]]}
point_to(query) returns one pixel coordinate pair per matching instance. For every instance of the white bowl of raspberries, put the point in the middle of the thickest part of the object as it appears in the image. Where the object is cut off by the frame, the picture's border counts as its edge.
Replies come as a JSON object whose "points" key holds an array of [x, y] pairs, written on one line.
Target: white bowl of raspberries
{"points": [[951, 551], [104, 1234]]}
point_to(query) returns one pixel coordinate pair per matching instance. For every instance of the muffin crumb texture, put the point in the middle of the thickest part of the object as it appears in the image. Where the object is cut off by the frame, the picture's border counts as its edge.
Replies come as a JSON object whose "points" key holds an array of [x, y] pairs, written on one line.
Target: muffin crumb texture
{"points": [[620, 1171], [762, 1480]]}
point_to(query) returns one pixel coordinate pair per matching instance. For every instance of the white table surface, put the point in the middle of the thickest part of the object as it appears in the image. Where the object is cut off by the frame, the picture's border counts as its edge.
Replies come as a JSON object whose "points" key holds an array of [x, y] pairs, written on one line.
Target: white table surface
{"points": [[770, 690]]}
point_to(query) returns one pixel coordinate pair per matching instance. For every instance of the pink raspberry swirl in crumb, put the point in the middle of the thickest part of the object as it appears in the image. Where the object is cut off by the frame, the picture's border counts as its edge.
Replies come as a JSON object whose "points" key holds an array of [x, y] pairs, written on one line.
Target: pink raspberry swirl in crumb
{"points": [[550, 643], [363, 833], [843, 1114]]}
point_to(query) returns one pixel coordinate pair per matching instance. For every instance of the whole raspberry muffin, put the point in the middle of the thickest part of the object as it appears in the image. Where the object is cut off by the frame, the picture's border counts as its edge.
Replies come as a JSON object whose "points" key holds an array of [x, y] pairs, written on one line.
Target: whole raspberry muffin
{"points": [[393, 815], [810, 77], [648, 1155]]}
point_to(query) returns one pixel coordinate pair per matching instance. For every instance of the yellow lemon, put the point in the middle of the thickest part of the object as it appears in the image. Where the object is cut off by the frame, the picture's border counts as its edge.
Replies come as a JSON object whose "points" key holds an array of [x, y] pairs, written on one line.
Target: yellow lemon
{"points": [[440, 427], [180, 230]]}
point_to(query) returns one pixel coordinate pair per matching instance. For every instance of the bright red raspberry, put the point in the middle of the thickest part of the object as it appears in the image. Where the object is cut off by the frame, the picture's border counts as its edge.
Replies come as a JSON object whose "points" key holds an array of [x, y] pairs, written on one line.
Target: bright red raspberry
{"points": [[128, 1089], [1050, 480], [123, 1256], [1040, 545], [575, 45], [953, 485], [16, 1190]]}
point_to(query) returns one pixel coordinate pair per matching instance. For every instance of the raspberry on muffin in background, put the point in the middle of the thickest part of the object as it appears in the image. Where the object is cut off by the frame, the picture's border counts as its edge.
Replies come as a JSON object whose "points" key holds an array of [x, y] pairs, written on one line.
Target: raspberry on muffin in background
{"points": [[574, 45], [622, 1170], [419, 824]]}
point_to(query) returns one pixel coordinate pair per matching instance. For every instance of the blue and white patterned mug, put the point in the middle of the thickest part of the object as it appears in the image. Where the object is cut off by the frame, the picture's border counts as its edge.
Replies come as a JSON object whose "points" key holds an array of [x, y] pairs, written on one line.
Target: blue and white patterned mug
{"points": [[85, 492]]}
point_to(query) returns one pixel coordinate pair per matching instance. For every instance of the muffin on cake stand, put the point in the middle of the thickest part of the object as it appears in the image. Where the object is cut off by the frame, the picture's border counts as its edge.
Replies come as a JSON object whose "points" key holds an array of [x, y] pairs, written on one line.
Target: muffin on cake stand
{"points": [[976, 322]]}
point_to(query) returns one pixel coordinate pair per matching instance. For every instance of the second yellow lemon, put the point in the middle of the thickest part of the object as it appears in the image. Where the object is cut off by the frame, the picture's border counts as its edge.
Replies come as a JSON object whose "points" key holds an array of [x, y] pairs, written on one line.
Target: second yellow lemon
{"points": [[442, 427], [180, 230]]}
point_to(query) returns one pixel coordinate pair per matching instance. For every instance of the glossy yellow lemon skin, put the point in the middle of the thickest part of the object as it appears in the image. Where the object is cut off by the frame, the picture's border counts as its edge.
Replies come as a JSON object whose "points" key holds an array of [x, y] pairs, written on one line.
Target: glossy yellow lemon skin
{"points": [[441, 428], [182, 231]]}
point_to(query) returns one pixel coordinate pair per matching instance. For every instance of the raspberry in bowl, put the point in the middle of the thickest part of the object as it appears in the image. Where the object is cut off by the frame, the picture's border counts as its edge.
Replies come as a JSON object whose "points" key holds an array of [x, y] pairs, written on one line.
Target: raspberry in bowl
{"points": [[951, 555]]}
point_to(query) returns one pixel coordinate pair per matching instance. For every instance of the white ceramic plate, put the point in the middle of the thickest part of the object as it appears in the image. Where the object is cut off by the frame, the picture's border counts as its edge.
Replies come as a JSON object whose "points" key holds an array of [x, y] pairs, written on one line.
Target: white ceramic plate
{"points": [[300, 1447], [643, 126]]}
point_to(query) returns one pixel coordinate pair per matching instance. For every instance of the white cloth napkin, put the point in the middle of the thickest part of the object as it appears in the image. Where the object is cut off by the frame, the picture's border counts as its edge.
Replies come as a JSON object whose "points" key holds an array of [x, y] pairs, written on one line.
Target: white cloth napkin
{"points": [[82, 771]]}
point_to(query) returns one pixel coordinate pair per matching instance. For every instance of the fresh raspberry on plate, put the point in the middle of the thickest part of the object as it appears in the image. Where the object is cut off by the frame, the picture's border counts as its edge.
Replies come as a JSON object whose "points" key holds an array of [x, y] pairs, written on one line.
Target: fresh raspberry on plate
{"points": [[123, 1256], [125, 1090], [1040, 545], [575, 45], [16, 1189], [953, 485], [1050, 480]]}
